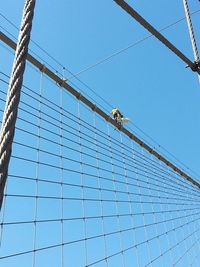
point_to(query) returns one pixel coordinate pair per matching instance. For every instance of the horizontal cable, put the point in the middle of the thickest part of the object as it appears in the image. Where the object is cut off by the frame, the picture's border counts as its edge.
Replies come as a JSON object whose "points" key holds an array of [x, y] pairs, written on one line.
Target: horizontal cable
{"points": [[125, 192], [100, 200], [50, 80], [171, 248], [99, 111], [120, 174], [78, 162], [144, 158], [103, 135], [98, 217], [141, 243], [96, 188], [100, 236], [98, 131], [154, 173], [184, 184], [138, 172], [89, 165], [128, 159], [190, 247], [118, 181]]}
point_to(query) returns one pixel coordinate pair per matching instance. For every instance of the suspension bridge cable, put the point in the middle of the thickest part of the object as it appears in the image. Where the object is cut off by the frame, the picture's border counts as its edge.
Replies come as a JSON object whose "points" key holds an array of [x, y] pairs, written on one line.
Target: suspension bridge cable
{"points": [[141, 243], [60, 81], [100, 187], [94, 188], [10, 114], [98, 236], [94, 200], [134, 191], [156, 33], [183, 165], [104, 188], [63, 67], [83, 121], [151, 178], [106, 170], [174, 246], [86, 164], [163, 147], [48, 152], [127, 47], [155, 177], [74, 75], [69, 139], [160, 186], [38, 123], [81, 164], [61, 145], [40, 47], [94, 176], [138, 168], [96, 217], [105, 59], [88, 154], [45, 63], [163, 216], [175, 197], [191, 31], [129, 196], [194, 243], [39, 57], [133, 123], [137, 127], [192, 36]]}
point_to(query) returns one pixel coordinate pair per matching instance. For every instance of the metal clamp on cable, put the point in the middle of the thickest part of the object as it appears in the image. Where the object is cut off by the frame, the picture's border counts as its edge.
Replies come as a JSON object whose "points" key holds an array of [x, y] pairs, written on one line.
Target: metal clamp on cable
{"points": [[42, 68], [63, 82], [79, 95], [196, 66]]}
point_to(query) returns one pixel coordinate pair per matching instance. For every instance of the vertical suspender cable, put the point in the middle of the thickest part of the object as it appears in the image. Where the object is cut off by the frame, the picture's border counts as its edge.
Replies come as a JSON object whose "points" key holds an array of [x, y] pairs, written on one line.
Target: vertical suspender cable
{"points": [[61, 111], [191, 32], [13, 95]]}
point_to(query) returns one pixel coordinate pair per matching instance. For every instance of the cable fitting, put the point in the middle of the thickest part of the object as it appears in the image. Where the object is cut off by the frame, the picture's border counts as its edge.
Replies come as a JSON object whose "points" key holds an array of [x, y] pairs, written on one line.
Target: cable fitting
{"points": [[196, 66], [63, 82], [79, 96], [94, 108], [43, 68]]}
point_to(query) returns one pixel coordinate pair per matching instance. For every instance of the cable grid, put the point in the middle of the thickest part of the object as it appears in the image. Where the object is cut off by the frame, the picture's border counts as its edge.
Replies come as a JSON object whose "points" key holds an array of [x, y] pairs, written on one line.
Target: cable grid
{"points": [[81, 193], [81, 190]]}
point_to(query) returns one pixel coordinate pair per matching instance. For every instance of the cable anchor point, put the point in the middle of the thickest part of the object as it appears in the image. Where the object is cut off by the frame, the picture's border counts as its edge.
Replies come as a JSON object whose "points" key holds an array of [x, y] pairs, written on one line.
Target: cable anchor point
{"points": [[195, 66]]}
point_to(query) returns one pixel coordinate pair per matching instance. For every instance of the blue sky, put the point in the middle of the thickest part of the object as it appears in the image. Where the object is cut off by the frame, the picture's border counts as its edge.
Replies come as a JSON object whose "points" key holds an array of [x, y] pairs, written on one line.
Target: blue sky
{"points": [[148, 83]]}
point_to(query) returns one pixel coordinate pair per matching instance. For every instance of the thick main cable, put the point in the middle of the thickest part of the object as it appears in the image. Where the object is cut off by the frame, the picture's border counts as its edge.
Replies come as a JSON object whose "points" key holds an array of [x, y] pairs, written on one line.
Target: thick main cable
{"points": [[16, 81]]}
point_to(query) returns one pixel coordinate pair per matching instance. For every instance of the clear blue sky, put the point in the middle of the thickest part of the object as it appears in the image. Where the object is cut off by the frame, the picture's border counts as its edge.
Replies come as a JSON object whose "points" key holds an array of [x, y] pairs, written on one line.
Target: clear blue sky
{"points": [[148, 83]]}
